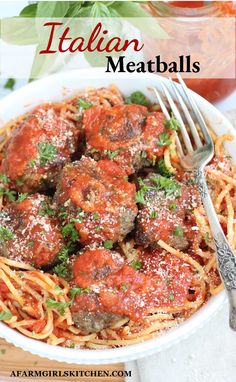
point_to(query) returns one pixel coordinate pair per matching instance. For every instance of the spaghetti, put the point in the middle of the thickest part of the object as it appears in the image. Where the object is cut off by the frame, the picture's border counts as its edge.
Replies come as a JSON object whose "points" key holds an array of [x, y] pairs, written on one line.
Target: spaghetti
{"points": [[39, 303]]}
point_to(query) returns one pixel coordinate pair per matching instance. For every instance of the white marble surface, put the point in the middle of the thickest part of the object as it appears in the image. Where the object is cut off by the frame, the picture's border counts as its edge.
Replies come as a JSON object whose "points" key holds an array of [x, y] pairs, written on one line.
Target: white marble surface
{"points": [[206, 356]]}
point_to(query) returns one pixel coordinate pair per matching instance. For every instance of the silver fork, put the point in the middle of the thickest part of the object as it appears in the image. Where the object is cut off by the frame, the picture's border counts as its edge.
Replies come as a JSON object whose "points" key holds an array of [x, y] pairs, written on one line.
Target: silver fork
{"points": [[194, 159]]}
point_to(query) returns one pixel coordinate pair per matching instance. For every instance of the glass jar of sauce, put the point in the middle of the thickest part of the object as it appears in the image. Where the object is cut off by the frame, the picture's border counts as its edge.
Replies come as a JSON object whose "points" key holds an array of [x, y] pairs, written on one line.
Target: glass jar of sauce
{"points": [[213, 89]]}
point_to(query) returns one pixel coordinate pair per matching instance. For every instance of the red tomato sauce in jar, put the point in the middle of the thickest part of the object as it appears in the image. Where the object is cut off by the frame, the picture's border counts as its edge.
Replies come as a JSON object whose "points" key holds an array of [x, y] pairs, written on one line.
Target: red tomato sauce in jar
{"points": [[187, 4], [213, 89]]}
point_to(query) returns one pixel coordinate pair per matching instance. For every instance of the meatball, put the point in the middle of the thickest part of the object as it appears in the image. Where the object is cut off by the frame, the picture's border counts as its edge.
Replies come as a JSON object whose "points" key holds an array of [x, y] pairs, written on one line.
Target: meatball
{"points": [[97, 199], [111, 290], [90, 268], [28, 234], [124, 133], [165, 212], [92, 322], [39, 148]]}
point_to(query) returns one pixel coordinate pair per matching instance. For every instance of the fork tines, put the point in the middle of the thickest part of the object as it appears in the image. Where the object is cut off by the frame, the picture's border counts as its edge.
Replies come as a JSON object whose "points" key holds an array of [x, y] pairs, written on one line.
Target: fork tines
{"points": [[185, 101]]}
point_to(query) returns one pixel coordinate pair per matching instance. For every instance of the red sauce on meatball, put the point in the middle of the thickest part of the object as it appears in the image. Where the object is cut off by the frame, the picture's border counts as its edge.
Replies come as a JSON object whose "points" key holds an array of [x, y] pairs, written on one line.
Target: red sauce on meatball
{"points": [[100, 201], [33, 237], [38, 149], [164, 280], [123, 133]]}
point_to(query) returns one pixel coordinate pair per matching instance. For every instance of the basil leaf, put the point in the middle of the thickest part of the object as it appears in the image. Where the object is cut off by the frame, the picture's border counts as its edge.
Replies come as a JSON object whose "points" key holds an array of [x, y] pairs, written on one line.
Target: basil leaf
{"points": [[99, 10], [52, 8], [134, 10], [74, 9], [29, 11], [14, 30], [10, 83]]}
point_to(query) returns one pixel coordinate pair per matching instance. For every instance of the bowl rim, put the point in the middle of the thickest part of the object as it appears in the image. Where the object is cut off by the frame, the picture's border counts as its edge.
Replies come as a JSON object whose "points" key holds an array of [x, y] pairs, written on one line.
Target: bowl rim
{"points": [[142, 349]]}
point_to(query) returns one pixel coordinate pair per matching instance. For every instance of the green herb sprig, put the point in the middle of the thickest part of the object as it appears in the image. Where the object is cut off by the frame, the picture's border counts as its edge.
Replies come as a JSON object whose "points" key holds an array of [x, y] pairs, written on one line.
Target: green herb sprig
{"points": [[137, 98], [47, 152]]}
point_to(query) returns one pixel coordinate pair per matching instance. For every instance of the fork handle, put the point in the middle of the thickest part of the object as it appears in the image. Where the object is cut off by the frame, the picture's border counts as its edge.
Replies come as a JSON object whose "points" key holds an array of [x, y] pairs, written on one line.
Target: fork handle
{"points": [[232, 309], [225, 255]]}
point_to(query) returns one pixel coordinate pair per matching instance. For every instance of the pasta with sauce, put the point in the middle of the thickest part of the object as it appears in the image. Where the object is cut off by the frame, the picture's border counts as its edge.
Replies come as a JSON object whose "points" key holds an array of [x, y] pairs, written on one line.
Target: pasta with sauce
{"points": [[103, 238]]}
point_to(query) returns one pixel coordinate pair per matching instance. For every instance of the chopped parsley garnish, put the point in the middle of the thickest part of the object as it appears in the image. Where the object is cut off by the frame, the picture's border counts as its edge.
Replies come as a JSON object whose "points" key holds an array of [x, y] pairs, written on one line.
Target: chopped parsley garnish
{"points": [[79, 218], [124, 286], [143, 154], [70, 232], [178, 231], [58, 289], [77, 290], [95, 216], [10, 83], [62, 269], [191, 181], [162, 169], [5, 234], [108, 244], [4, 178], [153, 214], [30, 244], [21, 275], [139, 197], [32, 163], [170, 186], [47, 152], [143, 185], [137, 98], [98, 228], [63, 214], [136, 264], [59, 306], [112, 154], [154, 159], [5, 316], [164, 139], [94, 151], [207, 237], [172, 124], [172, 206], [10, 194], [20, 181], [168, 281], [81, 103], [171, 297], [45, 210], [22, 197]]}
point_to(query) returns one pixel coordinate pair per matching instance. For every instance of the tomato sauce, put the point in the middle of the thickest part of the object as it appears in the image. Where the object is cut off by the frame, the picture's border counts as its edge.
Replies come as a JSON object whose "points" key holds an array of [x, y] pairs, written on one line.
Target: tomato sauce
{"points": [[118, 288], [213, 89], [99, 199], [187, 4]]}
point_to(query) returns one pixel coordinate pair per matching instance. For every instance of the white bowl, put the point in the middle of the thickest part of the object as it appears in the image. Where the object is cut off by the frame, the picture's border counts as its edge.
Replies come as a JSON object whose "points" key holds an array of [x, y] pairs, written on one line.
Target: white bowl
{"points": [[53, 89]]}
